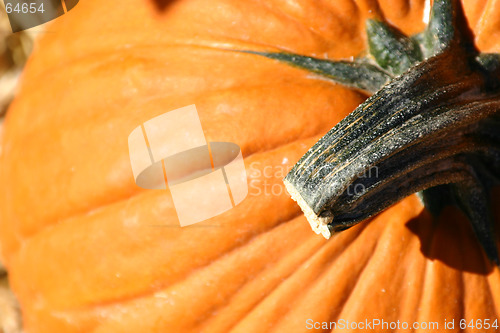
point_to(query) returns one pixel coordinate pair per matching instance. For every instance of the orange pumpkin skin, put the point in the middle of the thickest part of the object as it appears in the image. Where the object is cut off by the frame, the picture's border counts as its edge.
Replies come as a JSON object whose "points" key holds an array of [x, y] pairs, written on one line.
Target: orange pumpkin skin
{"points": [[89, 251]]}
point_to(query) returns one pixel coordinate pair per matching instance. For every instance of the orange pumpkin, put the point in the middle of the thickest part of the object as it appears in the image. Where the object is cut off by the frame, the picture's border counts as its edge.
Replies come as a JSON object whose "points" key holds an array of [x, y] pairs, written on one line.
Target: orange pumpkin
{"points": [[89, 251]]}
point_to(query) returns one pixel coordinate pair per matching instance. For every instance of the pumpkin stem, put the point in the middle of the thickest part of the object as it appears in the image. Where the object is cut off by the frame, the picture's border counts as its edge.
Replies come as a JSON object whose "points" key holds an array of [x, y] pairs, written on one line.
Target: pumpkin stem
{"points": [[472, 196], [434, 129], [358, 75]]}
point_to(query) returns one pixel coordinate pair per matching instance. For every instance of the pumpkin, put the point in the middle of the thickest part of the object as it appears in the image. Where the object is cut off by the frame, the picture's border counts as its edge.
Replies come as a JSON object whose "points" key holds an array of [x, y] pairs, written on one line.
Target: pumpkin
{"points": [[430, 127], [89, 251]]}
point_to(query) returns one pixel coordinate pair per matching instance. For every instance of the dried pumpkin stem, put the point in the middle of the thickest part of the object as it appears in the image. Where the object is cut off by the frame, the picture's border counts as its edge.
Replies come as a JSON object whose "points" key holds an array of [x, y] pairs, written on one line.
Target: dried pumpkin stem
{"points": [[434, 129]]}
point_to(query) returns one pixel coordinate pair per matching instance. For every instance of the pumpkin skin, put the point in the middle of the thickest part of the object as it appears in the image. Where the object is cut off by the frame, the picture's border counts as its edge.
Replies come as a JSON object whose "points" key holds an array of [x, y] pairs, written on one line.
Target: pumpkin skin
{"points": [[89, 251]]}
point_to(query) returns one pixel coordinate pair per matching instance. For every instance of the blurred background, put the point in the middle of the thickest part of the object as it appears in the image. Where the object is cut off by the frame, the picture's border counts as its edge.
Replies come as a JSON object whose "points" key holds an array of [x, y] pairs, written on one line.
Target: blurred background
{"points": [[14, 51]]}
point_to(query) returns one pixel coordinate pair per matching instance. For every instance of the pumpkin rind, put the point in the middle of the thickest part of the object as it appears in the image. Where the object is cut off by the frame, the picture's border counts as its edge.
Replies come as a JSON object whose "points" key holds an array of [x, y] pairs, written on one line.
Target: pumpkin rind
{"points": [[88, 251]]}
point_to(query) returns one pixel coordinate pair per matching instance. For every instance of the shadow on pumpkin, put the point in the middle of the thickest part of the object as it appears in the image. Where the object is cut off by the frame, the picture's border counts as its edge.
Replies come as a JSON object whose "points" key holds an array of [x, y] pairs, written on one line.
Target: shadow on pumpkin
{"points": [[162, 5], [451, 240]]}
